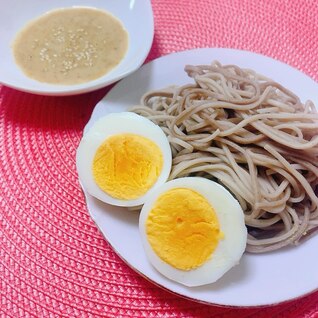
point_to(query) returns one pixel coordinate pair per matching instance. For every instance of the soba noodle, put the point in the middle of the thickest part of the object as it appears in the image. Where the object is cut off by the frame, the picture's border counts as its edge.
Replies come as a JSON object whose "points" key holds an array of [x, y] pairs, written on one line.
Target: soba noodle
{"points": [[253, 136]]}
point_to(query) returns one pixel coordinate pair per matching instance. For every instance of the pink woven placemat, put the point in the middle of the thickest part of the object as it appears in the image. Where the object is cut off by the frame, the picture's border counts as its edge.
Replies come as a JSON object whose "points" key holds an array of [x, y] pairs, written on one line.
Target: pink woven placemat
{"points": [[53, 260]]}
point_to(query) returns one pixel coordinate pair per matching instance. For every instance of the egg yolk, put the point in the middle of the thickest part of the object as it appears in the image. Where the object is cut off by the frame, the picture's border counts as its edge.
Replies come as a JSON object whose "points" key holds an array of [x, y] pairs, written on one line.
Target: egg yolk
{"points": [[183, 229], [126, 166]]}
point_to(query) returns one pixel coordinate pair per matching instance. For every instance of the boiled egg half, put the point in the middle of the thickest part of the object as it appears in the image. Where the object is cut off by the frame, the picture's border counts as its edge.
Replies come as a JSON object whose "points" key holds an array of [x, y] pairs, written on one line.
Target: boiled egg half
{"points": [[123, 158], [192, 230]]}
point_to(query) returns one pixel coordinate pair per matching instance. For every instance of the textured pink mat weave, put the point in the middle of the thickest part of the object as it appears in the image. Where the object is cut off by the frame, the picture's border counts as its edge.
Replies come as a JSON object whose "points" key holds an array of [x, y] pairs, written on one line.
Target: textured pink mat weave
{"points": [[53, 260]]}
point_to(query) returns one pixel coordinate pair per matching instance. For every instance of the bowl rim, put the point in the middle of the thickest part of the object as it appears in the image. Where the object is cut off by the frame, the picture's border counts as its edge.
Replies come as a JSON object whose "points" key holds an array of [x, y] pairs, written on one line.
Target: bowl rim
{"points": [[133, 59]]}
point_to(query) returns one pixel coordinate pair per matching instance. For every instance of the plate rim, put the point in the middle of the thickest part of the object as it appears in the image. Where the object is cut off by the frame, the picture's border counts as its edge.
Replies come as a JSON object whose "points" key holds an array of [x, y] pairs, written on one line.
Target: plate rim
{"points": [[104, 101]]}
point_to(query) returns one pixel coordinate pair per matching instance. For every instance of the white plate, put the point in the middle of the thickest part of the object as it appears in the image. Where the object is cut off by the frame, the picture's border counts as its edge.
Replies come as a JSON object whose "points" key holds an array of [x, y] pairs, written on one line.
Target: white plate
{"points": [[136, 17], [259, 279]]}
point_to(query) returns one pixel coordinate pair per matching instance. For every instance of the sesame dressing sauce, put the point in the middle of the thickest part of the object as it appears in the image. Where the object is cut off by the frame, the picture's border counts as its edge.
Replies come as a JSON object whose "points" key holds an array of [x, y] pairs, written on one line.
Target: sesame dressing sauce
{"points": [[70, 46]]}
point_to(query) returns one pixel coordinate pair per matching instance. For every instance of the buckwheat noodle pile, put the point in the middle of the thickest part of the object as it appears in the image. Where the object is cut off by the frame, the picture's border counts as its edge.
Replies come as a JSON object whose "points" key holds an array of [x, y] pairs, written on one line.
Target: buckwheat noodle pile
{"points": [[253, 136]]}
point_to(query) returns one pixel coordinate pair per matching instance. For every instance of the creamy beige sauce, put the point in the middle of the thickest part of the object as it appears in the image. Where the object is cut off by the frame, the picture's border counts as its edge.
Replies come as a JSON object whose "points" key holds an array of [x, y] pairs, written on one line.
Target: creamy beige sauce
{"points": [[70, 46]]}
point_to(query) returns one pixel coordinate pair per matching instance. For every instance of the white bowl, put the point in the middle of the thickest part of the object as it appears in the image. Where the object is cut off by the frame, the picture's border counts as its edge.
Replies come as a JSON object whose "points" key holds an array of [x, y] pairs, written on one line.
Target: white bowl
{"points": [[136, 16]]}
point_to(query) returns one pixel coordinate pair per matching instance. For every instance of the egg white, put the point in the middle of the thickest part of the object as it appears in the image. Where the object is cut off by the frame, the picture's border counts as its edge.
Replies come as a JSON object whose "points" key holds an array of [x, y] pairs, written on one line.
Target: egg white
{"points": [[112, 124], [231, 219]]}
